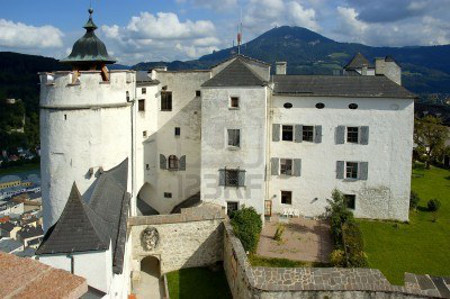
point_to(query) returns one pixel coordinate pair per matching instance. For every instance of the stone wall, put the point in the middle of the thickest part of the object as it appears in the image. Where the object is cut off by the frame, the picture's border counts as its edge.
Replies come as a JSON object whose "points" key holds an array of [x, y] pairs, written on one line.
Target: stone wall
{"points": [[193, 238], [246, 281]]}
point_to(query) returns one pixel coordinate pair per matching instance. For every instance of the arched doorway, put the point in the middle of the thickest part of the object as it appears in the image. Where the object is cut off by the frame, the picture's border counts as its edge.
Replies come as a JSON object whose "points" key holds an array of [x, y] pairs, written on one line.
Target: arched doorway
{"points": [[149, 285], [151, 266]]}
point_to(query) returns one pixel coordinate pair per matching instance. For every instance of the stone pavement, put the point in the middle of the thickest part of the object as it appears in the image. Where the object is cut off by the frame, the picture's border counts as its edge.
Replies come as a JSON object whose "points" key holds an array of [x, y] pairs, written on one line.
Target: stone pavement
{"points": [[303, 240]]}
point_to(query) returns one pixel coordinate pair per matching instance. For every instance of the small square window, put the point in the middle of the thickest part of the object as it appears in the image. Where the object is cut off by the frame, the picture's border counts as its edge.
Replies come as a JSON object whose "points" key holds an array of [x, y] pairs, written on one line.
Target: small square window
{"points": [[352, 134], [351, 170], [288, 133], [198, 93], [177, 131], [144, 134], [167, 195], [144, 90], [234, 102], [350, 200], [232, 177], [308, 133], [234, 137], [231, 207], [141, 105], [286, 197], [286, 166]]}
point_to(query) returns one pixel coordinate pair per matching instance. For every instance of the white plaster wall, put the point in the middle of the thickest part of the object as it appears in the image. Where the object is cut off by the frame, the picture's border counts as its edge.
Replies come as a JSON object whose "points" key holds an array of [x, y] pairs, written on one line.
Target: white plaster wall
{"points": [[186, 114], [56, 261], [250, 118], [96, 267], [74, 140], [386, 192]]}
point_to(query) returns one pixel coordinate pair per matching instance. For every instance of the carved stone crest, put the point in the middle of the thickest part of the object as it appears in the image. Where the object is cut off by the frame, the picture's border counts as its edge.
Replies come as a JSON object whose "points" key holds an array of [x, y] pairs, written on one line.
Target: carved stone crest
{"points": [[149, 238]]}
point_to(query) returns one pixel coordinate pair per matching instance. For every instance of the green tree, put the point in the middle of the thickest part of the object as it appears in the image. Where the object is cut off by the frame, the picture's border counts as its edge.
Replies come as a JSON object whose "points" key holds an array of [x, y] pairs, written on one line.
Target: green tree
{"points": [[430, 136], [247, 226]]}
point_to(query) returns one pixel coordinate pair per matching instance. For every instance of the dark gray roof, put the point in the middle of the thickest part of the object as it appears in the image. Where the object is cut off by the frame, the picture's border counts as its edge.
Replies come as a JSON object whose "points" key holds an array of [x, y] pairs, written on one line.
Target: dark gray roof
{"points": [[7, 226], [92, 226], [339, 86], [9, 245], [357, 62], [30, 232], [89, 48], [192, 201], [237, 73]]}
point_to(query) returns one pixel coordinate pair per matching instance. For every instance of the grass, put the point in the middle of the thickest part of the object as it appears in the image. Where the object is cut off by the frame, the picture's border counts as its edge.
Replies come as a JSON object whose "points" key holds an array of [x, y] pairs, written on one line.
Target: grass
{"points": [[198, 283], [16, 169], [420, 247], [260, 261]]}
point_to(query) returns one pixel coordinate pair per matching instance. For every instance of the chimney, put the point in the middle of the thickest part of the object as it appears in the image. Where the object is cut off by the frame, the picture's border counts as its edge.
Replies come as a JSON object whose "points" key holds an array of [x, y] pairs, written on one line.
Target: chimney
{"points": [[280, 67], [388, 67], [364, 70]]}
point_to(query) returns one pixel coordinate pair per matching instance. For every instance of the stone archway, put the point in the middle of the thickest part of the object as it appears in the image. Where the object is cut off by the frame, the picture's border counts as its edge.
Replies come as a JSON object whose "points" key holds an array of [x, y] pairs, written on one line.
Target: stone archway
{"points": [[149, 285]]}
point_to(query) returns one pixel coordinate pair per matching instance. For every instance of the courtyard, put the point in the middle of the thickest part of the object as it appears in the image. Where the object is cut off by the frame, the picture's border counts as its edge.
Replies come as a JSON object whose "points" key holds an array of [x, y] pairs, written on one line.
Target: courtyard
{"points": [[303, 240]]}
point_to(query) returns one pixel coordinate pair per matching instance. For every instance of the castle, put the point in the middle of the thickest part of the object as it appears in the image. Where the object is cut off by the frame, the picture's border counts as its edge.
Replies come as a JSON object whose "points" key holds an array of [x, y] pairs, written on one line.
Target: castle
{"points": [[117, 144]]}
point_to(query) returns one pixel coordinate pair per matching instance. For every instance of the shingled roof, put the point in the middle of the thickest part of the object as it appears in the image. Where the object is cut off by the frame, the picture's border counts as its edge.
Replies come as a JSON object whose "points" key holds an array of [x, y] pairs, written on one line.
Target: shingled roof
{"points": [[357, 62], [92, 226], [339, 86], [237, 73]]}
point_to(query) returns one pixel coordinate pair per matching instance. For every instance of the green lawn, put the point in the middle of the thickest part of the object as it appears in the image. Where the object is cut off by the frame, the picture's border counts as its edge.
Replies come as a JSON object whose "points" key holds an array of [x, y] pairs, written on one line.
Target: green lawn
{"points": [[17, 169], [261, 261], [420, 247], [198, 283]]}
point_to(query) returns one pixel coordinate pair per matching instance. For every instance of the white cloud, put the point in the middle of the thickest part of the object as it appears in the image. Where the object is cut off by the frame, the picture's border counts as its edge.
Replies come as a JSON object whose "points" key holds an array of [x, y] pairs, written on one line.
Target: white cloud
{"points": [[19, 35], [161, 36], [301, 16]]}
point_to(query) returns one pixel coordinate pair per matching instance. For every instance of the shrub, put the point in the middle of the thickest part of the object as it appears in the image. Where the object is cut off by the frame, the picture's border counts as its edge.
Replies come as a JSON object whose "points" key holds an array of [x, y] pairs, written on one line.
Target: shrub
{"points": [[247, 225], [337, 258], [414, 200], [354, 245], [339, 214], [279, 232], [433, 205]]}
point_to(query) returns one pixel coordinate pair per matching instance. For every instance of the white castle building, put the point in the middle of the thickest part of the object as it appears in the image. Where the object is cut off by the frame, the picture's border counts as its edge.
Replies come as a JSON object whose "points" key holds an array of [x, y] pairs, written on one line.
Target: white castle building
{"points": [[122, 143]]}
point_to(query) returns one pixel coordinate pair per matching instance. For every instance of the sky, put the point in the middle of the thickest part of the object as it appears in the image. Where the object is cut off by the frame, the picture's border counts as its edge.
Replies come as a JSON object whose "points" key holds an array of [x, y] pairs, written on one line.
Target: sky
{"points": [[166, 30]]}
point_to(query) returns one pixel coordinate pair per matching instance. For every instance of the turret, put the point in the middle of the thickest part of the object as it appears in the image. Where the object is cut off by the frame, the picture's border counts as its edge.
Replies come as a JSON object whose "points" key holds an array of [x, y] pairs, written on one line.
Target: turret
{"points": [[86, 122]]}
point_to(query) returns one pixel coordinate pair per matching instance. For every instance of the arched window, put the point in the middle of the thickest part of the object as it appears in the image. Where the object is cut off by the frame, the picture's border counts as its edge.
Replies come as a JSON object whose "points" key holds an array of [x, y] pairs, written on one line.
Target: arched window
{"points": [[173, 162]]}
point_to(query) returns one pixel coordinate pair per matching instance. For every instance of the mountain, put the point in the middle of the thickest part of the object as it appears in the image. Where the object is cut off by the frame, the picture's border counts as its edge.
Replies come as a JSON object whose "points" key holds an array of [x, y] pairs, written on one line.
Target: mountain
{"points": [[426, 69]]}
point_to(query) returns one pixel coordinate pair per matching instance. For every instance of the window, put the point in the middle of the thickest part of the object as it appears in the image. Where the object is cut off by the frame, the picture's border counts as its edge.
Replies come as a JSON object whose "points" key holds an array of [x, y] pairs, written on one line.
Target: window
{"points": [[198, 93], [232, 177], [286, 197], [173, 162], [144, 134], [167, 195], [177, 131], [147, 166], [231, 207], [166, 100], [288, 133], [144, 90], [352, 134], [234, 137], [287, 105], [128, 96], [351, 170], [350, 201], [353, 106], [234, 102], [141, 105], [308, 133], [286, 166], [320, 105]]}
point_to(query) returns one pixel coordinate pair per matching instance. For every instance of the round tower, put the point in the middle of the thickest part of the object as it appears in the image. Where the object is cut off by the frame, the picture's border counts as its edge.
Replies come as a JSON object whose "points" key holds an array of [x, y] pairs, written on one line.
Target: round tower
{"points": [[86, 122]]}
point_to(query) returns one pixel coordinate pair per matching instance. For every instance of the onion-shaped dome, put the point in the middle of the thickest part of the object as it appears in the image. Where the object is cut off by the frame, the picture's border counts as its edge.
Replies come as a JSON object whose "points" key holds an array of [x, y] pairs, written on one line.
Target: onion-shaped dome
{"points": [[89, 48]]}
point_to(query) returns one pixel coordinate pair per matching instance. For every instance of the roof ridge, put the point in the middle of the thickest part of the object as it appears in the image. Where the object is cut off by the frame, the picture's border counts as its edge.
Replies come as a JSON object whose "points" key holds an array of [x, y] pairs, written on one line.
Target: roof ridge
{"points": [[245, 64]]}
